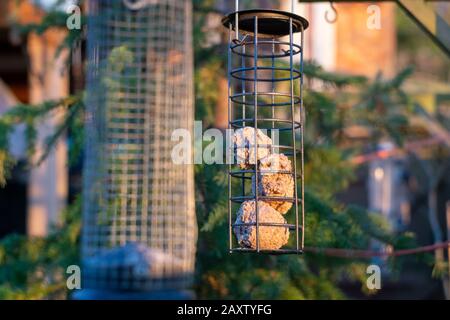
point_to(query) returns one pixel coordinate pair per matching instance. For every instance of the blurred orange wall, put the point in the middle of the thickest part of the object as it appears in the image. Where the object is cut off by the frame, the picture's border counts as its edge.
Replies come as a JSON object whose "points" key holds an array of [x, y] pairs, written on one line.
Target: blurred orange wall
{"points": [[360, 50]]}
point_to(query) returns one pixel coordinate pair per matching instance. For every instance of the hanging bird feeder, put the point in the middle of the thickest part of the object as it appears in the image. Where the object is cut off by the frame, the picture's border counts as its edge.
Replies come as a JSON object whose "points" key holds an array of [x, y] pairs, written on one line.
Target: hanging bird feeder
{"points": [[265, 110], [139, 227]]}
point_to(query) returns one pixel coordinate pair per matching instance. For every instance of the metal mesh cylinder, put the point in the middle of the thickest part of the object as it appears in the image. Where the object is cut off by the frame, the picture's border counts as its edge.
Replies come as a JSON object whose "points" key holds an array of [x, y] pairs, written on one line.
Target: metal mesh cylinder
{"points": [[139, 227]]}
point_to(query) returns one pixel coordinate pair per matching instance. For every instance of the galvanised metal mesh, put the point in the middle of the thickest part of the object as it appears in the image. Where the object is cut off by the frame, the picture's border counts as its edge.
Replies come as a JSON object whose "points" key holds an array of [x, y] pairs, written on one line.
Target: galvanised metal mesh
{"points": [[139, 227]]}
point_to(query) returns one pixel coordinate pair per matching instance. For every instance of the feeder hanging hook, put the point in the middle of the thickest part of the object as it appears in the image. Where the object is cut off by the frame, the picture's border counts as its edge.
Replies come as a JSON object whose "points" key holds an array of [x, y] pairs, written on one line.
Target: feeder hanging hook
{"points": [[335, 13]]}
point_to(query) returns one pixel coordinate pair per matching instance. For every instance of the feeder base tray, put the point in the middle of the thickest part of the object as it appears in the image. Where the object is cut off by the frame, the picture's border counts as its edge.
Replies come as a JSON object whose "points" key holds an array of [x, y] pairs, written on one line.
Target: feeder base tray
{"points": [[272, 252], [91, 294]]}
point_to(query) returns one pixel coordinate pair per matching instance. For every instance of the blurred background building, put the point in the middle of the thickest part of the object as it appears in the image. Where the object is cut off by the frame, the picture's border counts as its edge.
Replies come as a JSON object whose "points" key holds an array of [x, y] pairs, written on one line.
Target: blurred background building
{"points": [[27, 76]]}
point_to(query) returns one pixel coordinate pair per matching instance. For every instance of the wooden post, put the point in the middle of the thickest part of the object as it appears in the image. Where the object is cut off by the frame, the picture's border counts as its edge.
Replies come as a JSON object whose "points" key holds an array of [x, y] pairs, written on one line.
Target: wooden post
{"points": [[48, 183]]}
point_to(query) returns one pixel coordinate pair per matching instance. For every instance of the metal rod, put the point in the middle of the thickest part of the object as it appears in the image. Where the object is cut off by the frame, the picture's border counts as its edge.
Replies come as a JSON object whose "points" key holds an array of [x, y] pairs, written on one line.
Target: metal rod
{"points": [[291, 61], [235, 99], [243, 84], [261, 43], [273, 252], [273, 89], [230, 231], [236, 19], [241, 173], [255, 91], [302, 129], [234, 73], [448, 248], [264, 171], [235, 125], [266, 224], [244, 95], [240, 199]]}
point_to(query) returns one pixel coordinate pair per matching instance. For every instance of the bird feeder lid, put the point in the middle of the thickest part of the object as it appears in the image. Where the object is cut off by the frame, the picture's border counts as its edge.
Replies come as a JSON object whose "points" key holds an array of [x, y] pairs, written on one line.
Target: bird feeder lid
{"points": [[270, 22]]}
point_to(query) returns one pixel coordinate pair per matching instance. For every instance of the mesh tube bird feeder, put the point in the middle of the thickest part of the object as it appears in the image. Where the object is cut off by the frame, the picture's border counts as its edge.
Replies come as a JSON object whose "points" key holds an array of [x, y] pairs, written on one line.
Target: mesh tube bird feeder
{"points": [[265, 109], [139, 228]]}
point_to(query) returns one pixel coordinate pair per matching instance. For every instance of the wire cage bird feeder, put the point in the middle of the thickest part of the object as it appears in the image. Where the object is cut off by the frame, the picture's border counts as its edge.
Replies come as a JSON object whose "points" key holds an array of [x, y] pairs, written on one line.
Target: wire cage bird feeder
{"points": [[265, 110], [139, 228]]}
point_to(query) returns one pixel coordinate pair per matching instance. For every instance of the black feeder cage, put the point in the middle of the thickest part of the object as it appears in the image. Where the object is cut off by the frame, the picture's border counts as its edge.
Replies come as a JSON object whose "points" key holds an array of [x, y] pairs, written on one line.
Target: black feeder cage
{"points": [[265, 83]]}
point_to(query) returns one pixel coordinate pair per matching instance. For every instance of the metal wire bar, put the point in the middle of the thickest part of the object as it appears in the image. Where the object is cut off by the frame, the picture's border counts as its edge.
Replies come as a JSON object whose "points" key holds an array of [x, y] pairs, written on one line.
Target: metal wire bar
{"points": [[302, 130], [273, 95], [236, 123], [236, 19], [234, 73], [240, 199], [255, 91], [272, 42], [271, 252], [230, 115], [283, 147], [273, 89], [243, 95], [243, 173], [266, 224], [291, 62]]}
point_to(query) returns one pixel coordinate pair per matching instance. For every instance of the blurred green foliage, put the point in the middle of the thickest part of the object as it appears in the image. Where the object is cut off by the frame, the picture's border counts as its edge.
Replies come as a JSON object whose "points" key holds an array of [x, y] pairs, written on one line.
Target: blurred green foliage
{"points": [[35, 268]]}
